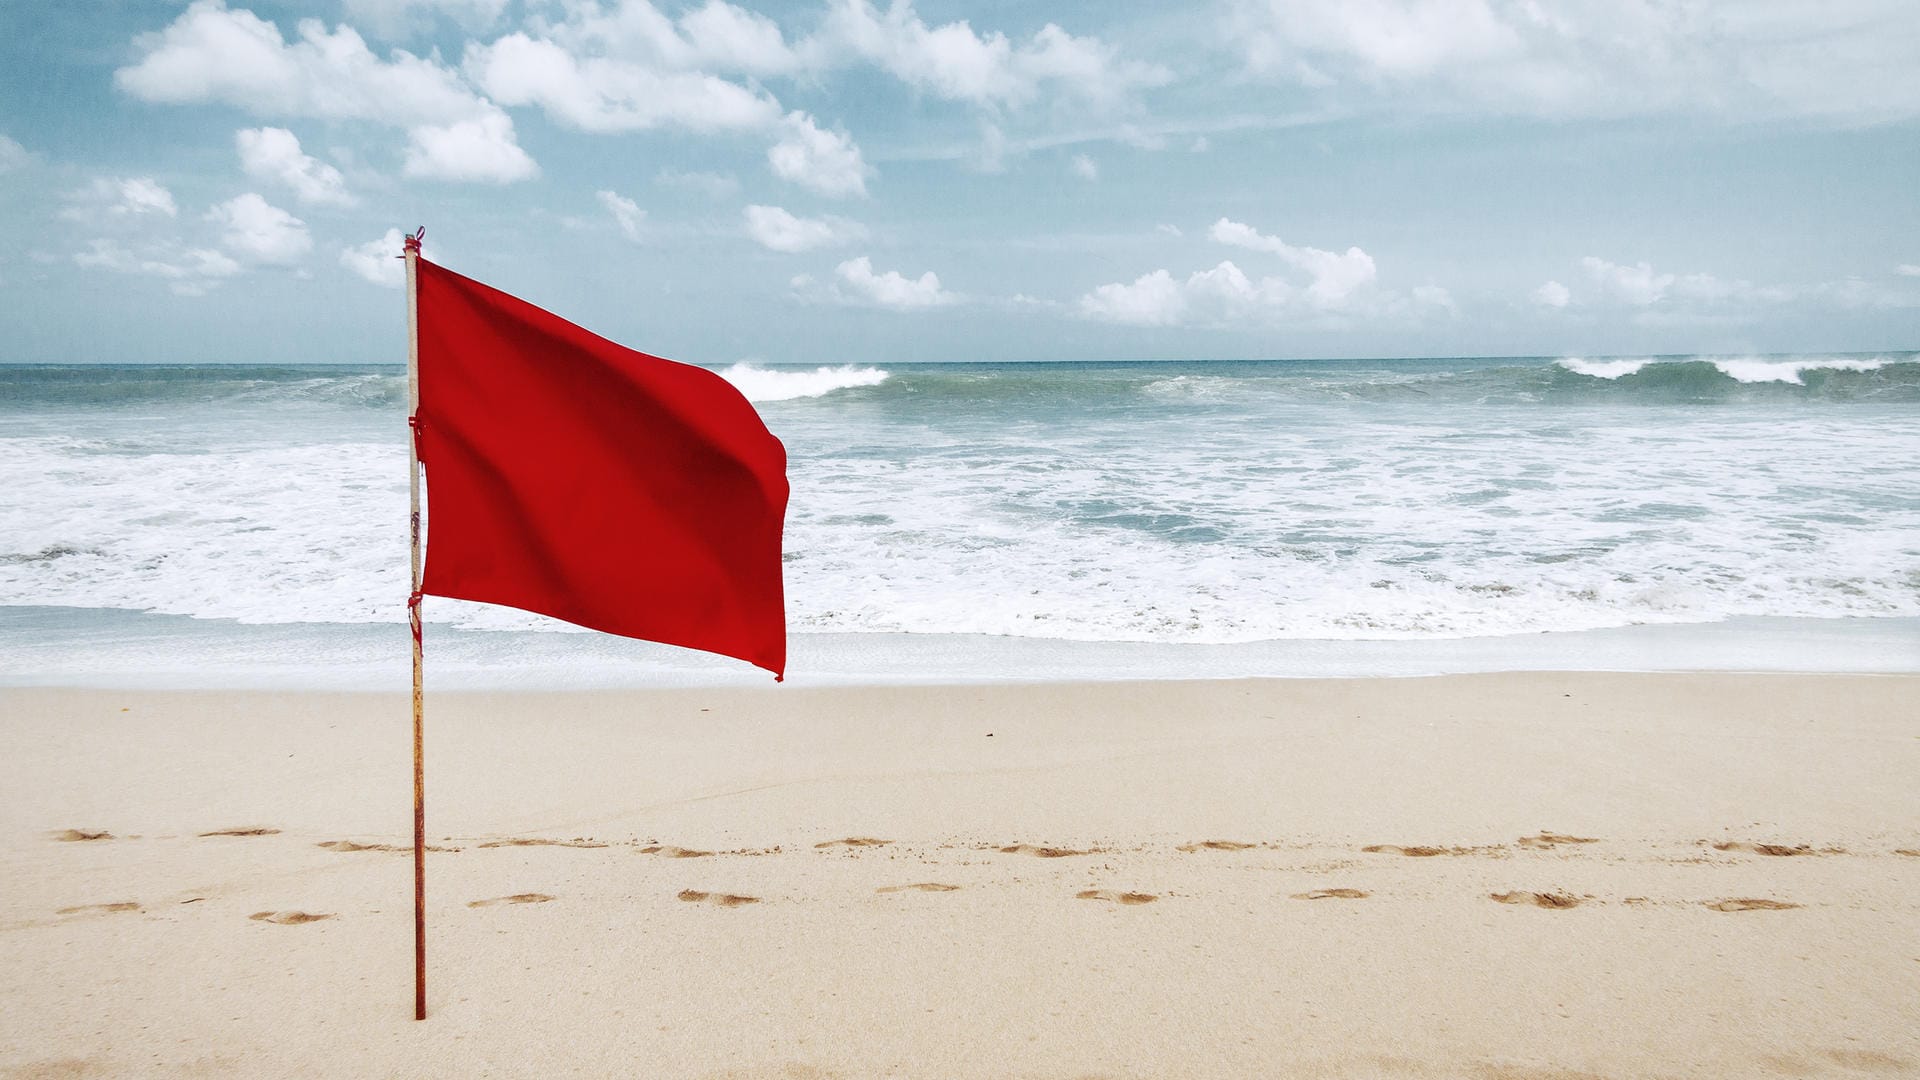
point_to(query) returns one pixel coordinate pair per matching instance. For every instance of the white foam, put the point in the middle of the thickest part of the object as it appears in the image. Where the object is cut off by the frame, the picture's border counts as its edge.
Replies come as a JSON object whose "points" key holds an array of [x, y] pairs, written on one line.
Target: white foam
{"points": [[1751, 370], [1603, 369], [997, 516], [766, 384]]}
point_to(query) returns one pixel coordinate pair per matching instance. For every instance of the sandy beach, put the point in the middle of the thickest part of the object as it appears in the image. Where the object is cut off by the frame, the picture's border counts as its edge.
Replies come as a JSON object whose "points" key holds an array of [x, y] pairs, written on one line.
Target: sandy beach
{"points": [[1538, 875]]}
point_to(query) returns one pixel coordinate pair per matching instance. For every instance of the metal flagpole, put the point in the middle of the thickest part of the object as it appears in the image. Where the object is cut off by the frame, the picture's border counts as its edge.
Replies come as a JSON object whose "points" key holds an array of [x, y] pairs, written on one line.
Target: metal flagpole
{"points": [[412, 255]]}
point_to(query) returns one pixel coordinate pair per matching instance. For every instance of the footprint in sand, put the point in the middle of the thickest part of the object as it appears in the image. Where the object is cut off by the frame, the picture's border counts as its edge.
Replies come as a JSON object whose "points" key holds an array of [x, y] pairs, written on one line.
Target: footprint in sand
{"points": [[1553, 840], [1215, 845], [99, 909], [918, 886], [694, 896], [521, 841], [79, 835], [668, 851], [1331, 894], [516, 898], [1418, 852], [1554, 901], [1748, 903], [242, 830], [1116, 897], [351, 845], [1777, 850], [854, 841], [1042, 852], [287, 918]]}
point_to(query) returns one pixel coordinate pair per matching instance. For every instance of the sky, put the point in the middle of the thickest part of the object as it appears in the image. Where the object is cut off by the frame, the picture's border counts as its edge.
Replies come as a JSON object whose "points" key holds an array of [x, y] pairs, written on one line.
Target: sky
{"points": [[845, 181]]}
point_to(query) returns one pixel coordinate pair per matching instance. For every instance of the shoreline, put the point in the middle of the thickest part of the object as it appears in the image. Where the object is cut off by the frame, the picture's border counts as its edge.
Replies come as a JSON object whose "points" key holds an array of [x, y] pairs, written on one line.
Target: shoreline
{"points": [[1703, 875], [110, 648]]}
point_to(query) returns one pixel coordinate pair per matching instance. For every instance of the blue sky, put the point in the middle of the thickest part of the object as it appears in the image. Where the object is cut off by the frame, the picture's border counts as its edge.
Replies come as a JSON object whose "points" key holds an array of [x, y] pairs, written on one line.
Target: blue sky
{"points": [[850, 181]]}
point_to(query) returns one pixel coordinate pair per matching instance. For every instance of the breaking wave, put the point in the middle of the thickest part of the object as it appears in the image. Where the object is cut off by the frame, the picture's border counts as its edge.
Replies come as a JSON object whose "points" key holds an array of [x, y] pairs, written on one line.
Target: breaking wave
{"points": [[767, 384]]}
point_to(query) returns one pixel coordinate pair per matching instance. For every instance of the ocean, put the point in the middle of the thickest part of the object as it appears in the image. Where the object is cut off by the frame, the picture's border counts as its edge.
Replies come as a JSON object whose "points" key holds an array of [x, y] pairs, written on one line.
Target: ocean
{"points": [[229, 525]]}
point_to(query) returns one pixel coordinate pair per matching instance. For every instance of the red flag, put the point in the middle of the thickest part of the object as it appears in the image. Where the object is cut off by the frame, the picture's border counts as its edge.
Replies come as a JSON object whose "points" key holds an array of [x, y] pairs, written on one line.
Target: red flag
{"points": [[569, 476]]}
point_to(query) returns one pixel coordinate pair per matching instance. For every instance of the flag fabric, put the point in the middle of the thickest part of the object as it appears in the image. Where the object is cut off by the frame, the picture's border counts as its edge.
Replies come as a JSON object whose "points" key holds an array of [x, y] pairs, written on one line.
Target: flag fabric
{"points": [[573, 477]]}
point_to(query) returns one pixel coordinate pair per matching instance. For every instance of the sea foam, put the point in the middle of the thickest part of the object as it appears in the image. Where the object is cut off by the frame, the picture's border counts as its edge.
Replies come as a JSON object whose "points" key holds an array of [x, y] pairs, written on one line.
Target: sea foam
{"points": [[767, 384]]}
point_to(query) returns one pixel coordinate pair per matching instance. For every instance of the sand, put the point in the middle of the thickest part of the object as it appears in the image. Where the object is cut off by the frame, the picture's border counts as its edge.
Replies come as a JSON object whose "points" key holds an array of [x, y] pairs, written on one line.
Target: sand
{"points": [[1495, 876]]}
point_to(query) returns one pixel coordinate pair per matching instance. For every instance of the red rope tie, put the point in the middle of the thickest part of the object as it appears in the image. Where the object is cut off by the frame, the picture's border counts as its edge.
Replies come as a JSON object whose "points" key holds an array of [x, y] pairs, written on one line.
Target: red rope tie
{"points": [[412, 243], [413, 614]]}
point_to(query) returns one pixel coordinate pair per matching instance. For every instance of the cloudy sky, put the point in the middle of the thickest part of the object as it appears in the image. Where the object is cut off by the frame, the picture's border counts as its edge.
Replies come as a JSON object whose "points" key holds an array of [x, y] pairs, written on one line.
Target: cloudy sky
{"points": [[845, 180]]}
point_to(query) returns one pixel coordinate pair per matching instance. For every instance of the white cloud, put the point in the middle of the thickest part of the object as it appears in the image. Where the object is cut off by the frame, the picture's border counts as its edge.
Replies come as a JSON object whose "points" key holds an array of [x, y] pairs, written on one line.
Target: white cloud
{"points": [[271, 153], [13, 155], [1169, 230], [394, 19], [603, 94], [712, 185], [715, 37], [1224, 294], [826, 162], [1638, 285], [1434, 298], [189, 272], [777, 230], [954, 62], [1552, 294], [379, 261], [1846, 60], [626, 213], [260, 232], [482, 149], [1907, 270], [1085, 168], [213, 54], [110, 198], [1154, 299], [891, 289], [1336, 276]]}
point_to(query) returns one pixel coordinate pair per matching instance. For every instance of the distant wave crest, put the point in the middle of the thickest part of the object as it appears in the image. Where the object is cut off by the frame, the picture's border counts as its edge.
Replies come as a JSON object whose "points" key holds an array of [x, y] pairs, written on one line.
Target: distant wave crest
{"points": [[1744, 369], [767, 384]]}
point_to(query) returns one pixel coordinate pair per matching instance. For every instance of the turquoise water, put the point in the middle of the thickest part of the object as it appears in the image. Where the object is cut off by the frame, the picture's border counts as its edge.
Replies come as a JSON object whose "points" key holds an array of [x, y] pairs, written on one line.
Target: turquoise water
{"points": [[1077, 508]]}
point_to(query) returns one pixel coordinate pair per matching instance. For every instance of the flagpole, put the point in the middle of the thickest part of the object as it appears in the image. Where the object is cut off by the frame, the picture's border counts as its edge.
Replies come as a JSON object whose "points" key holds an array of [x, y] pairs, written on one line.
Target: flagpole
{"points": [[412, 255]]}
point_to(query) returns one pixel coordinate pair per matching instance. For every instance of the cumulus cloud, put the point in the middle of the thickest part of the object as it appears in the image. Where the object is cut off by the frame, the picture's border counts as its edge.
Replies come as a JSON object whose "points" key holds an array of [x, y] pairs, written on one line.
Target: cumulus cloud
{"points": [[1849, 60], [274, 154], [825, 162], [954, 62], [1336, 276], [605, 94], [717, 37], [394, 19], [260, 232], [482, 149], [107, 199], [211, 53], [1085, 168], [626, 213], [187, 272], [1222, 294], [857, 283], [777, 230], [1637, 284], [379, 261], [1552, 294]]}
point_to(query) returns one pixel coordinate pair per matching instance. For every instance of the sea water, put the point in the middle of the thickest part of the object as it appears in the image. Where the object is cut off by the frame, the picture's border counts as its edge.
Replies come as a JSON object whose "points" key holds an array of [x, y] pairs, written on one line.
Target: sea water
{"points": [[225, 524]]}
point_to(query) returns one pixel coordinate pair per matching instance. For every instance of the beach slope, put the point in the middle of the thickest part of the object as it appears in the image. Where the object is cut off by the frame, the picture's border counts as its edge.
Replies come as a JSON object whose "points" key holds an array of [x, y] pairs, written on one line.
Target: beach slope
{"points": [[1503, 876]]}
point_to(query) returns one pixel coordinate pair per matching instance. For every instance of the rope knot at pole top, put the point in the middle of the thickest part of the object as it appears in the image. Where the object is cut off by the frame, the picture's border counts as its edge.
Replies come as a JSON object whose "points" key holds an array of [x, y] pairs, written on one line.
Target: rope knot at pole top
{"points": [[412, 243]]}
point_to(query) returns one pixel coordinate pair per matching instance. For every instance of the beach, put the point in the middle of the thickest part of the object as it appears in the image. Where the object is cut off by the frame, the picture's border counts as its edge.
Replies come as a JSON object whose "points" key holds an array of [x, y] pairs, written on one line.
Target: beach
{"points": [[1489, 875]]}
